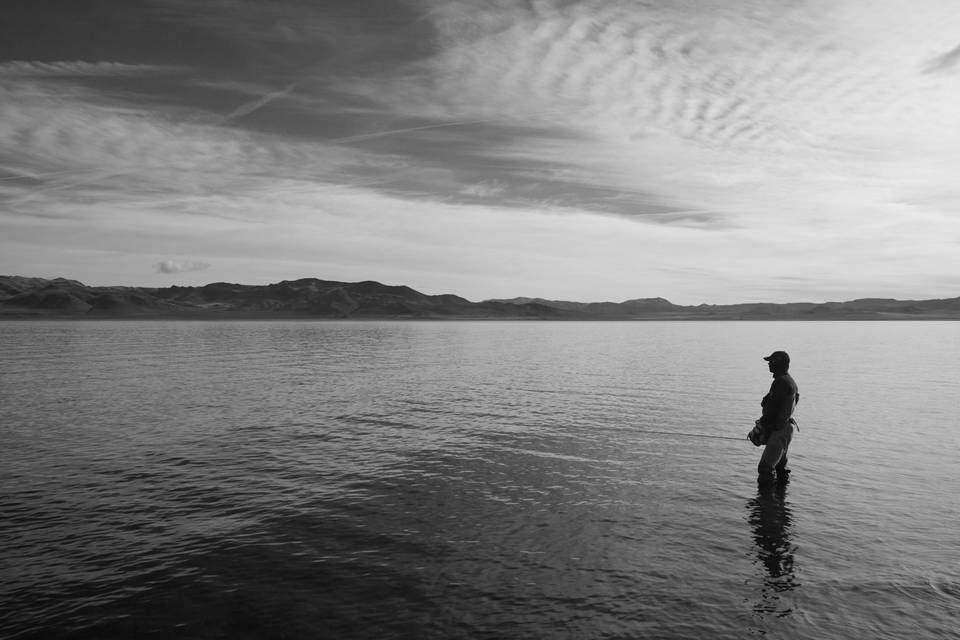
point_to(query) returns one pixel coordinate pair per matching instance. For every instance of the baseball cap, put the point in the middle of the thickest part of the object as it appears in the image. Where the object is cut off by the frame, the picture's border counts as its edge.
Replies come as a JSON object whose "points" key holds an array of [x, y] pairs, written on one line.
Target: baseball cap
{"points": [[778, 356]]}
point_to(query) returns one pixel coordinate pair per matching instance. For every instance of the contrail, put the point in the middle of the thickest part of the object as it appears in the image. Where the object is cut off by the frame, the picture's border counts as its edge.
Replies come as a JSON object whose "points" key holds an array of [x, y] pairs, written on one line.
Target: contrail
{"points": [[393, 132], [253, 105]]}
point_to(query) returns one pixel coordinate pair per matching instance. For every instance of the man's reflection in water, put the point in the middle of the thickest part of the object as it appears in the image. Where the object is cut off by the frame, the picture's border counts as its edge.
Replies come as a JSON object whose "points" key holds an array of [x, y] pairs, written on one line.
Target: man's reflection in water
{"points": [[770, 518]]}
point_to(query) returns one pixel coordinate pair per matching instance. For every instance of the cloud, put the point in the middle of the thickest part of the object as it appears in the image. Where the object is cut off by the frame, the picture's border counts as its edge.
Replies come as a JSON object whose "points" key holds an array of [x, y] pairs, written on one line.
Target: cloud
{"points": [[74, 142], [180, 266], [488, 189], [752, 110]]}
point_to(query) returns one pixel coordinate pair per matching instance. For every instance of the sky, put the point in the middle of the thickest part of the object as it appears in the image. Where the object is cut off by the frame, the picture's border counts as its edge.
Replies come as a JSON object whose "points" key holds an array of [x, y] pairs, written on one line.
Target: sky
{"points": [[704, 151]]}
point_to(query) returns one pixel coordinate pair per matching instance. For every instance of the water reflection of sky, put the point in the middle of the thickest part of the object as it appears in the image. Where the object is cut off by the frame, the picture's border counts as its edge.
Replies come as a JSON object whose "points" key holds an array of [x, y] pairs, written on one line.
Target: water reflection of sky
{"points": [[770, 519]]}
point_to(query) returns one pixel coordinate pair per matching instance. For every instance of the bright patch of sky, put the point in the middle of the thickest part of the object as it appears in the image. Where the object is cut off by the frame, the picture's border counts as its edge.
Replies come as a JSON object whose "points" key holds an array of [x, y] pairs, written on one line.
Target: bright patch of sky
{"points": [[707, 151]]}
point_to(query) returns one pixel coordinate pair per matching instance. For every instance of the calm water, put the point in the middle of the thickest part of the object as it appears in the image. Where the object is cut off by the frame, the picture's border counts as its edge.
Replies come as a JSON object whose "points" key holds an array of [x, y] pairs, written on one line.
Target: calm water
{"points": [[474, 480]]}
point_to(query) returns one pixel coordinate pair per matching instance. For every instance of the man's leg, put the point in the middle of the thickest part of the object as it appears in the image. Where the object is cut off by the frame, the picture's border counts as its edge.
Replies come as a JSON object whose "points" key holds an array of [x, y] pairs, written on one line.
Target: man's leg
{"points": [[773, 461], [783, 474]]}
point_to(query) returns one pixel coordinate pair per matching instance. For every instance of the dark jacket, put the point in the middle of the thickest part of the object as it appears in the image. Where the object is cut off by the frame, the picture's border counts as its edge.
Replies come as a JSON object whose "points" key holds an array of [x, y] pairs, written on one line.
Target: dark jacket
{"points": [[779, 402]]}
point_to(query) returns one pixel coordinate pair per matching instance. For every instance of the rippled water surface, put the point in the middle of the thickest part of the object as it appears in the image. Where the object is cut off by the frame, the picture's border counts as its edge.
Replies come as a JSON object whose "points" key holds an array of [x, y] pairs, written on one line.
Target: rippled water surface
{"points": [[474, 480]]}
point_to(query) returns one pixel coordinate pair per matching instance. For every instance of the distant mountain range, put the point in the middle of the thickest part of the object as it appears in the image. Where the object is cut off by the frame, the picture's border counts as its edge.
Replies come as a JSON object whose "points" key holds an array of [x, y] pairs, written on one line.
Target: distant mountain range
{"points": [[22, 297]]}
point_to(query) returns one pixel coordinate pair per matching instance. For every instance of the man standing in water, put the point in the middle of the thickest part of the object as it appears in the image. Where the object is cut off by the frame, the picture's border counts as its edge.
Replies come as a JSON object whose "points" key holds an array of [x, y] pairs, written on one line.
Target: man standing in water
{"points": [[776, 420]]}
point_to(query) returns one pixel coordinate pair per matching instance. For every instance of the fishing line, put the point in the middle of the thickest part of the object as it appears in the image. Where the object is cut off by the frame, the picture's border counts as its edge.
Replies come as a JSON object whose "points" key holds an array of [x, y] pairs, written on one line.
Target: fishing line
{"points": [[703, 435], [689, 435]]}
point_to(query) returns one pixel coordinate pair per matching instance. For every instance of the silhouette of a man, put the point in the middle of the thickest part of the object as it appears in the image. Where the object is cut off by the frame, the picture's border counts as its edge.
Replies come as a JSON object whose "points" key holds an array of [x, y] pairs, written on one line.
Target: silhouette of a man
{"points": [[777, 420]]}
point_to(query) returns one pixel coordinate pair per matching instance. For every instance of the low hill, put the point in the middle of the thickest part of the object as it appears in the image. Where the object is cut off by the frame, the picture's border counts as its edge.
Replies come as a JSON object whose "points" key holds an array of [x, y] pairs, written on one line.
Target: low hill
{"points": [[658, 308], [23, 297], [309, 297]]}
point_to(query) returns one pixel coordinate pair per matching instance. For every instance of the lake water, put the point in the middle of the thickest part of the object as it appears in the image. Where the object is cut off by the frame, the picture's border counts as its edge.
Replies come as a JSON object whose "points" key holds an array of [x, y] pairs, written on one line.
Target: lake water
{"points": [[474, 480]]}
